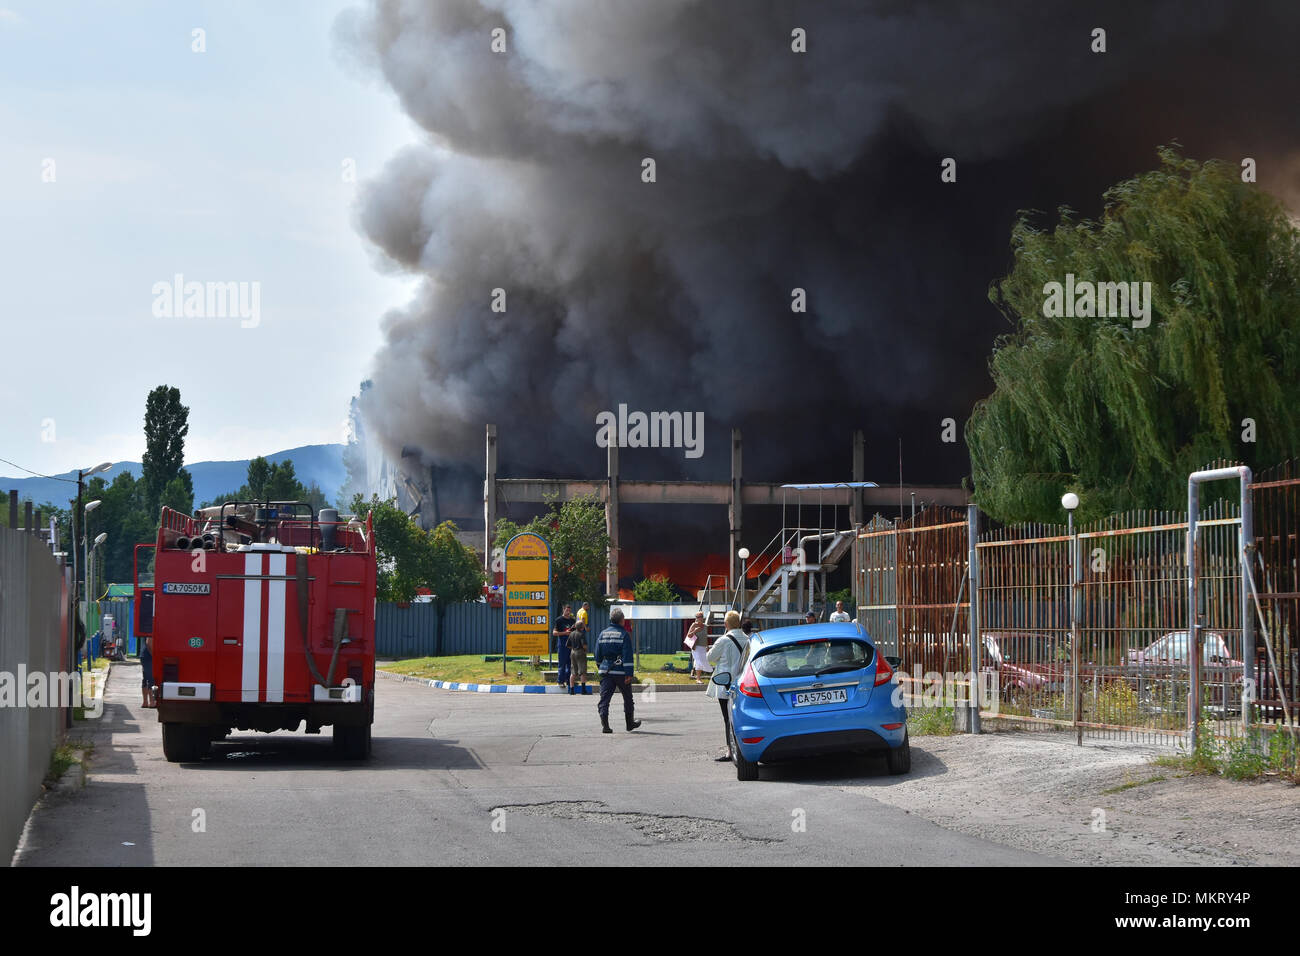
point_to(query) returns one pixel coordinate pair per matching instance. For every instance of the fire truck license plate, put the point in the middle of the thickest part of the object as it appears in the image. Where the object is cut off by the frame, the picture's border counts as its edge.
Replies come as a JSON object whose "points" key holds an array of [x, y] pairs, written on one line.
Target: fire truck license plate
{"points": [[179, 587]]}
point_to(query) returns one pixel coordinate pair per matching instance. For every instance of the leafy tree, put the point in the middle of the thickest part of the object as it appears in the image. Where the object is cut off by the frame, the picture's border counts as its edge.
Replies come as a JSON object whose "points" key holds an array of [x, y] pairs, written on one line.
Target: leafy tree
{"points": [[579, 546], [656, 588], [259, 473], [274, 482], [410, 558], [166, 423], [179, 493], [399, 547], [1121, 415], [123, 517], [451, 570]]}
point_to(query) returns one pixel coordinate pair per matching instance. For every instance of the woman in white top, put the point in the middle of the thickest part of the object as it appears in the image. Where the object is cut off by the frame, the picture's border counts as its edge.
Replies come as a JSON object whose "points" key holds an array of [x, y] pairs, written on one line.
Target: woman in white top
{"points": [[725, 655], [699, 648]]}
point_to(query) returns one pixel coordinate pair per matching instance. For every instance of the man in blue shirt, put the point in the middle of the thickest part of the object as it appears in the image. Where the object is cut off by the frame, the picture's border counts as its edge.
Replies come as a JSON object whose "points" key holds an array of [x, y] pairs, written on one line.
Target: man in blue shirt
{"points": [[614, 660]]}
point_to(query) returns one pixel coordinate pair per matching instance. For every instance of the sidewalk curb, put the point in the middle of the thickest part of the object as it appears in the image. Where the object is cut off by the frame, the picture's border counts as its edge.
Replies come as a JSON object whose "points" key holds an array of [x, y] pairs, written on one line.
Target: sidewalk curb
{"points": [[521, 688]]}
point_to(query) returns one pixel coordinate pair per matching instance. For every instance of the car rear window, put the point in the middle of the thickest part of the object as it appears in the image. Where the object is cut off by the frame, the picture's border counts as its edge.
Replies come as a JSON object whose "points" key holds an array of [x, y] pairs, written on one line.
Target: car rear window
{"points": [[817, 657]]}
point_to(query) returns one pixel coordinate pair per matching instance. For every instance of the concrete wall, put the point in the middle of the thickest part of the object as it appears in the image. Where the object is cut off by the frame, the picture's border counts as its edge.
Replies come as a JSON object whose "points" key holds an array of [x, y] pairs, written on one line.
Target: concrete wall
{"points": [[33, 635]]}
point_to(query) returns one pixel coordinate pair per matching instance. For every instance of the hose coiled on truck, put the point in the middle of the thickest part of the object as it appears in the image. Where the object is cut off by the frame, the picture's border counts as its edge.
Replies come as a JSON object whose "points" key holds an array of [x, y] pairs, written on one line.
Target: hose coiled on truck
{"points": [[340, 626]]}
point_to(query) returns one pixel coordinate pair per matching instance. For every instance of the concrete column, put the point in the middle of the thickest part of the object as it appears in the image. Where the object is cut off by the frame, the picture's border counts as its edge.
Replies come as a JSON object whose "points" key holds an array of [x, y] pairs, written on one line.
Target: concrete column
{"points": [[489, 496], [857, 515], [611, 523], [734, 513]]}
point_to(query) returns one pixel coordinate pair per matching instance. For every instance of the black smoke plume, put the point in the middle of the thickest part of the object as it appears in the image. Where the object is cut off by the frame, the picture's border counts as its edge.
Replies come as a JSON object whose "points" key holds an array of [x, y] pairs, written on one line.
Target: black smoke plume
{"points": [[775, 170]]}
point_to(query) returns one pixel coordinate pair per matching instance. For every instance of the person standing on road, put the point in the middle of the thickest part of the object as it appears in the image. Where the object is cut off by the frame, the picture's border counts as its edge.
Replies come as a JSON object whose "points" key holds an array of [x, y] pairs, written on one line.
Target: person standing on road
{"points": [[615, 662], [563, 625], [578, 659], [146, 672], [697, 641], [840, 616], [725, 655]]}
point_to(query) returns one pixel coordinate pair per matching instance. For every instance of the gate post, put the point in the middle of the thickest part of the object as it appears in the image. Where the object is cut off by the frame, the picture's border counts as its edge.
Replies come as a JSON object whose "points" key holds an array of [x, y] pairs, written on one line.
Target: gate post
{"points": [[973, 614], [1246, 544]]}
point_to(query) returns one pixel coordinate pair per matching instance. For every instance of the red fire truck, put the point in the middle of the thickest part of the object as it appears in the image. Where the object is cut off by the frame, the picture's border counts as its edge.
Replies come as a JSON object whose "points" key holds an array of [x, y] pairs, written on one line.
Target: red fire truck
{"points": [[262, 616]]}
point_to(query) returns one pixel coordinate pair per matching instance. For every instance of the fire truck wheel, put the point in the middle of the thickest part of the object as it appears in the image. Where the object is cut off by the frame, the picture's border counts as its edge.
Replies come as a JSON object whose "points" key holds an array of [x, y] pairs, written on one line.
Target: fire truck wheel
{"points": [[352, 743], [184, 743]]}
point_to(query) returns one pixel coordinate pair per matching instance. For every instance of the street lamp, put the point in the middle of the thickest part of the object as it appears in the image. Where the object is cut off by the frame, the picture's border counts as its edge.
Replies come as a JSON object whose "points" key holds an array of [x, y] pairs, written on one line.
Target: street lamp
{"points": [[76, 578], [743, 554], [1070, 501], [90, 551]]}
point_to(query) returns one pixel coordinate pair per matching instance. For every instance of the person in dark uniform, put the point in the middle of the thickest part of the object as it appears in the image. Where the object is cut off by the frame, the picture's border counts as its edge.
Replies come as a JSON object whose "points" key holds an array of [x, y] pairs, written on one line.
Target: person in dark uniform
{"points": [[563, 624], [615, 661], [146, 672]]}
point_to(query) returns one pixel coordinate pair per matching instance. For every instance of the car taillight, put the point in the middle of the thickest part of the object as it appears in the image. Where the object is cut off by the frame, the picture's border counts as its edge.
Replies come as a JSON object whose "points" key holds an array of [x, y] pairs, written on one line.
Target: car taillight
{"points": [[749, 683], [884, 673]]}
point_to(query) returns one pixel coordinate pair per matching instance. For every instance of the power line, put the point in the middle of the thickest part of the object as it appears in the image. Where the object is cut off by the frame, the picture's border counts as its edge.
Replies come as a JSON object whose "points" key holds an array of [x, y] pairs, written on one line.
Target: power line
{"points": [[52, 478]]}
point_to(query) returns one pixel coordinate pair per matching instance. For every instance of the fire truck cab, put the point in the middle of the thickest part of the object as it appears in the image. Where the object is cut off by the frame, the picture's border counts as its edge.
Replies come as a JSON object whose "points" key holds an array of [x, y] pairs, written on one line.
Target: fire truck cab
{"points": [[263, 617]]}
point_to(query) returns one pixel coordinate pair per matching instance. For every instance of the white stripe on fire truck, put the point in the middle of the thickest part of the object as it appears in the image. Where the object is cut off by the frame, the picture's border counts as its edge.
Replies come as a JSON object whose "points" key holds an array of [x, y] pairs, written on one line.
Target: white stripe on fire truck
{"points": [[275, 622], [251, 683]]}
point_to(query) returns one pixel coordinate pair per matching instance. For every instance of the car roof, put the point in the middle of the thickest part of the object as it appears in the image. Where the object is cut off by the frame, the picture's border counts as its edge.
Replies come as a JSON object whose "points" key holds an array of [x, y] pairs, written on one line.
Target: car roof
{"points": [[826, 630]]}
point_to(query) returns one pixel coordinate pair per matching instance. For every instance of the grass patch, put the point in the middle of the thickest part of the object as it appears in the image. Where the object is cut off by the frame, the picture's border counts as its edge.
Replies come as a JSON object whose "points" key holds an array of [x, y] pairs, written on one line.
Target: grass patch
{"points": [[64, 756], [1261, 754], [1130, 784], [930, 722], [472, 669]]}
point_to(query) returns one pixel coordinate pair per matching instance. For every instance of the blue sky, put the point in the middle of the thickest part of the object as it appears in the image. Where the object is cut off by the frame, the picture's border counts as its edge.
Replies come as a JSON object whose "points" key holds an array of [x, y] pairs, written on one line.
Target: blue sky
{"points": [[224, 166]]}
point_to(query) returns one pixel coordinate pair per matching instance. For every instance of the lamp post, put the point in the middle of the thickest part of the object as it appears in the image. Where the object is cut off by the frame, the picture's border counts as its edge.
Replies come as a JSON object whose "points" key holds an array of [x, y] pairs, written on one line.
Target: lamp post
{"points": [[76, 579], [743, 554], [1070, 501]]}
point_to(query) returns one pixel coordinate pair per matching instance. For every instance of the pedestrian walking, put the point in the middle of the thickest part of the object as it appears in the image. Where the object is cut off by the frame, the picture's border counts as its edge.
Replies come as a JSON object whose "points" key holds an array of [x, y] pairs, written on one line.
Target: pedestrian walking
{"points": [[840, 616], [563, 624], [615, 663], [726, 655], [578, 659]]}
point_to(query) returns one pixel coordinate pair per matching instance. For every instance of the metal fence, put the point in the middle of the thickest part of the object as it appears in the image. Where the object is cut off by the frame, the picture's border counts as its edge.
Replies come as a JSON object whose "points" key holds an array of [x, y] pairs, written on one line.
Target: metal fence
{"points": [[33, 640], [476, 627], [914, 599], [1128, 671], [1276, 569], [1133, 670]]}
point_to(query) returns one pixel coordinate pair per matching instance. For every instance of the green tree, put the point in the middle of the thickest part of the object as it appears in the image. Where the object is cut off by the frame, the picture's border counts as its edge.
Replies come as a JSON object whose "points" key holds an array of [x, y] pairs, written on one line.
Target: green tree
{"points": [[166, 423], [402, 562], [276, 483], [579, 545], [451, 570], [123, 517], [1121, 415], [656, 588], [259, 473]]}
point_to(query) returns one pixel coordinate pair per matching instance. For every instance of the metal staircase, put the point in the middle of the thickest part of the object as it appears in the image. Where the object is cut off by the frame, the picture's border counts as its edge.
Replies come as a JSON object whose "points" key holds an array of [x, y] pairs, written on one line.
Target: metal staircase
{"points": [[795, 562]]}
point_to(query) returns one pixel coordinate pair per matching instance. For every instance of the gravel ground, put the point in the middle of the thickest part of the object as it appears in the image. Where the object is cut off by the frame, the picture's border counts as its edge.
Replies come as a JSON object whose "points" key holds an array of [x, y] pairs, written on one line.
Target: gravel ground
{"points": [[1042, 792]]}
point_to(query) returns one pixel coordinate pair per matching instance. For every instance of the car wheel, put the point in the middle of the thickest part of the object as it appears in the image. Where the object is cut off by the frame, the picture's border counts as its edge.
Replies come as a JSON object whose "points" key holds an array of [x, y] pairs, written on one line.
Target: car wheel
{"points": [[745, 770], [900, 758]]}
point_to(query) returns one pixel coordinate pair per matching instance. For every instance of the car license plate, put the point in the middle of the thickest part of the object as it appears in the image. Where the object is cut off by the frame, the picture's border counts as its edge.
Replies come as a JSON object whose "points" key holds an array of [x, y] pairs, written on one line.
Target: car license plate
{"points": [[814, 697]]}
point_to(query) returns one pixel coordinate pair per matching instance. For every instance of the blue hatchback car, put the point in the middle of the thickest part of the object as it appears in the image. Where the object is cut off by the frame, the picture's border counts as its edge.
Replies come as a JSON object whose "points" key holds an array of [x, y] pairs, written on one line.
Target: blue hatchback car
{"points": [[811, 690]]}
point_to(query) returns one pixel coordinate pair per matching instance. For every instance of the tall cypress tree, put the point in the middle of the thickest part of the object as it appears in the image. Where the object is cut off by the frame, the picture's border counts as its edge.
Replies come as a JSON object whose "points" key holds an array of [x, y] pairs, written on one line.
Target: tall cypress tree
{"points": [[166, 423]]}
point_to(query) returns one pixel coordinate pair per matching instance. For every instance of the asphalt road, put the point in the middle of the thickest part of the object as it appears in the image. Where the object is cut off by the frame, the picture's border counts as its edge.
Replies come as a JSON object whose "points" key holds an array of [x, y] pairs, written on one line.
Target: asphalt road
{"points": [[461, 779]]}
